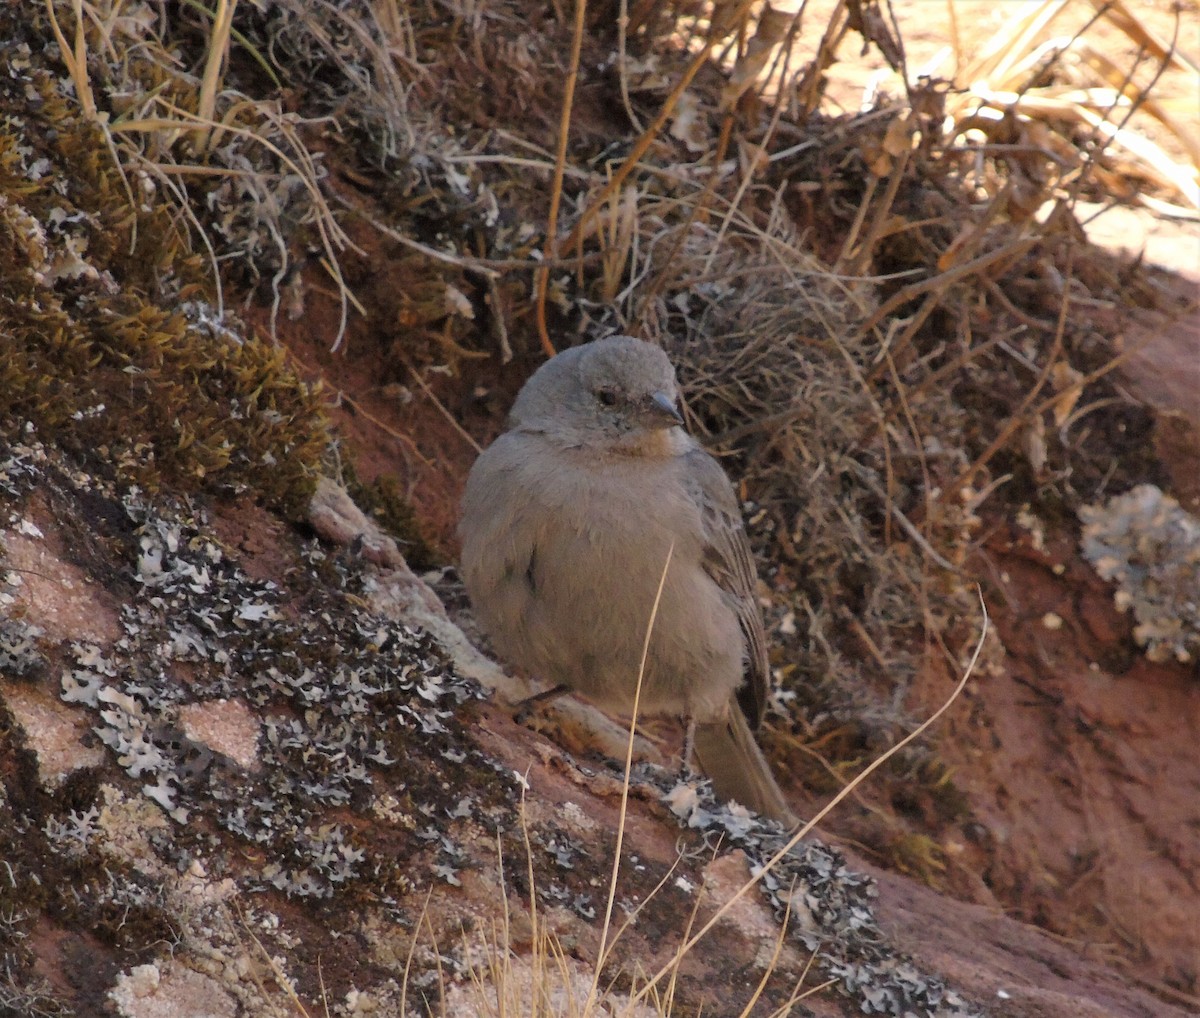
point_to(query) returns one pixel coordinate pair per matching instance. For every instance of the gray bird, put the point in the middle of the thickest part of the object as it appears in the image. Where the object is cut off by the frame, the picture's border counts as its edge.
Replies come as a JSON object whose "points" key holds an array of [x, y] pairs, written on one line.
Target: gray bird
{"points": [[568, 518]]}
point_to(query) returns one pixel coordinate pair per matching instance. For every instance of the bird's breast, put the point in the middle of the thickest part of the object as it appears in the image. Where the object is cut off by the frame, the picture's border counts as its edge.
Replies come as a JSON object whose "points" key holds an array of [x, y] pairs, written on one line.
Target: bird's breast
{"points": [[605, 542]]}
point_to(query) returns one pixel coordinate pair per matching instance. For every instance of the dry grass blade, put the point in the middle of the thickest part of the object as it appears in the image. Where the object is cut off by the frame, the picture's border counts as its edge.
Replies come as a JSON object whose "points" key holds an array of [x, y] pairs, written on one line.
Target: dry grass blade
{"points": [[242, 41], [1121, 16], [75, 57], [560, 161], [278, 974], [771, 966], [1150, 156], [937, 286], [214, 62], [1107, 68], [1019, 417], [1011, 45], [142, 131], [812, 83], [300, 164], [540, 980], [642, 145], [766, 46], [620, 228], [1070, 105], [605, 947]]}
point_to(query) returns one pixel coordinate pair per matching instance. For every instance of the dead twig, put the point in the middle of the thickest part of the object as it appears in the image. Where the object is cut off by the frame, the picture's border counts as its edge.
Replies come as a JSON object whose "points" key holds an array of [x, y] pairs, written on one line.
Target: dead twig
{"points": [[542, 278]]}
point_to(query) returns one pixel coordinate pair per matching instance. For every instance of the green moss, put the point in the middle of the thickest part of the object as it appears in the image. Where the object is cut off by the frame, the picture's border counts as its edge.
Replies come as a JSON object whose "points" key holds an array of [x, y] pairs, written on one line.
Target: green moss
{"points": [[109, 346], [919, 856], [383, 500]]}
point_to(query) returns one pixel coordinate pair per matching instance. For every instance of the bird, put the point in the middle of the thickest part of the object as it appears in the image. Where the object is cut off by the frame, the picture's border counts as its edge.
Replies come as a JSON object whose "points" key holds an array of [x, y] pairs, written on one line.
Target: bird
{"points": [[571, 519]]}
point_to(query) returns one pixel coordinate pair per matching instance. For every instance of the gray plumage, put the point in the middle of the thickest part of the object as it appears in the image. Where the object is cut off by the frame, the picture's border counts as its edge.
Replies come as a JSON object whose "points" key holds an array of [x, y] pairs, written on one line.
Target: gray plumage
{"points": [[567, 522]]}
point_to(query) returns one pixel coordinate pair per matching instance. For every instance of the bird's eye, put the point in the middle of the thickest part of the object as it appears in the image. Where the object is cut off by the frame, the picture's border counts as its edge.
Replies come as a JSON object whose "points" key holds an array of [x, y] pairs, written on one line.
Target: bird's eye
{"points": [[607, 397]]}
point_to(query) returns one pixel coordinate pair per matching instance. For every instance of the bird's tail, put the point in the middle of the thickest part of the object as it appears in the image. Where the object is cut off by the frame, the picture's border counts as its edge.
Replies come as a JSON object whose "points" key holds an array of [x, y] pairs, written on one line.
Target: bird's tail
{"points": [[727, 752]]}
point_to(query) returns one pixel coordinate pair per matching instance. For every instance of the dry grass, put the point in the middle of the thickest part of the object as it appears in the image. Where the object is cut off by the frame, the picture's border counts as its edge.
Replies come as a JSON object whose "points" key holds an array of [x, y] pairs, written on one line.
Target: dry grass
{"points": [[1036, 97], [190, 141]]}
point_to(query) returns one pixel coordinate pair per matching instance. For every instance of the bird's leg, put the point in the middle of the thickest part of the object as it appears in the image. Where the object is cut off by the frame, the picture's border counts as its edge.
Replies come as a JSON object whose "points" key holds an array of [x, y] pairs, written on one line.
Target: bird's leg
{"points": [[689, 746], [524, 708]]}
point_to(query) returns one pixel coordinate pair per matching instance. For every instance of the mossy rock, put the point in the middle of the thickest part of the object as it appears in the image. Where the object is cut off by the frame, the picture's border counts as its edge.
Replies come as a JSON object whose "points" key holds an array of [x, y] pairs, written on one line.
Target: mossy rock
{"points": [[112, 347]]}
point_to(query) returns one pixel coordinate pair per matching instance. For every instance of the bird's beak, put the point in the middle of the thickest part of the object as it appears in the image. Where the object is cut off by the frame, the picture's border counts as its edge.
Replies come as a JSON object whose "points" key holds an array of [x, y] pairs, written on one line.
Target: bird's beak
{"points": [[663, 410]]}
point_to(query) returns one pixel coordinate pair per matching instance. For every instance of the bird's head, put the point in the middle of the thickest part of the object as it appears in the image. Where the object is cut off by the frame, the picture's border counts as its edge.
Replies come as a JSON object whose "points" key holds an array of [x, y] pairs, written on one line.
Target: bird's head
{"points": [[619, 392]]}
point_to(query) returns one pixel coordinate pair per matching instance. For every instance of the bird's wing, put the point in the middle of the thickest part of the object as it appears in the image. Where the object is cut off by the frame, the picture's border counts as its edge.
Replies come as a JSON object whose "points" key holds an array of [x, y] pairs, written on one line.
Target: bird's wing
{"points": [[499, 541], [727, 560]]}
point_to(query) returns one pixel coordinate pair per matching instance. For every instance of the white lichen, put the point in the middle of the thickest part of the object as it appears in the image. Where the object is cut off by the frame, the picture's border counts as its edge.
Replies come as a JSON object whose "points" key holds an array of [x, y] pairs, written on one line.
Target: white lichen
{"points": [[1149, 546]]}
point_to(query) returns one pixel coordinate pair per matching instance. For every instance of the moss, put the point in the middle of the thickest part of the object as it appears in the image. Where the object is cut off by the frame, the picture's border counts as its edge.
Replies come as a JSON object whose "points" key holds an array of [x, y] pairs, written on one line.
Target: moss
{"points": [[919, 856], [111, 348], [383, 499]]}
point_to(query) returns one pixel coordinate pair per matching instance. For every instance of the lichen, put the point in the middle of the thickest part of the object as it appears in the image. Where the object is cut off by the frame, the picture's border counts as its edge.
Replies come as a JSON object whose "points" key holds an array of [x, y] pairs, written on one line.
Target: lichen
{"points": [[828, 907], [346, 705], [336, 689], [1149, 546], [20, 654]]}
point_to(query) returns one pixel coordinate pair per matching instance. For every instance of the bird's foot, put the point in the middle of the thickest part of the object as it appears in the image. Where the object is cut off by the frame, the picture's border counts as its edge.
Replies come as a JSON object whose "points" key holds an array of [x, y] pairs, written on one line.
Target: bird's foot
{"points": [[686, 771], [525, 708]]}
